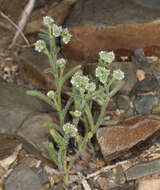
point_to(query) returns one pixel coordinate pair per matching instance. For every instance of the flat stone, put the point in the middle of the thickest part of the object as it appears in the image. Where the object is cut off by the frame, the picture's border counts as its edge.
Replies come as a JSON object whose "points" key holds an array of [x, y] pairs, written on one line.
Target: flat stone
{"points": [[111, 25], [16, 106], [35, 133], [125, 138], [143, 169], [22, 177]]}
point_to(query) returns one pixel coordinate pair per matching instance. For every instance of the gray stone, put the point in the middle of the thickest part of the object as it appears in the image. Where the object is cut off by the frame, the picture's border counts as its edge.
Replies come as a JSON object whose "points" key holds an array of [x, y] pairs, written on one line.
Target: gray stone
{"points": [[16, 106], [143, 169], [149, 84], [22, 177], [144, 104], [35, 133], [101, 13]]}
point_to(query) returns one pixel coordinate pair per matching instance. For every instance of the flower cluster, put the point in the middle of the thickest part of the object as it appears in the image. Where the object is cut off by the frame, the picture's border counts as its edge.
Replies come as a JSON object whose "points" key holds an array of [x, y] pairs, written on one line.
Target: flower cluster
{"points": [[118, 74], [70, 130], [82, 83], [57, 31], [79, 81], [77, 113], [51, 94], [107, 56], [91, 87], [61, 63], [40, 46], [48, 21], [102, 73], [66, 36]]}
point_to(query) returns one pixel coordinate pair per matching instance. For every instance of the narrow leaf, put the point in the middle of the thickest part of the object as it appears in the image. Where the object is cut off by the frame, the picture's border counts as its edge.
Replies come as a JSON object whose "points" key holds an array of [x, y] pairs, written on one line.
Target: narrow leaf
{"points": [[53, 153], [55, 126], [69, 102], [56, 136], [41, 96], [90, 118], [49, 70], [110, 122], [44, 36], [116, 89]]}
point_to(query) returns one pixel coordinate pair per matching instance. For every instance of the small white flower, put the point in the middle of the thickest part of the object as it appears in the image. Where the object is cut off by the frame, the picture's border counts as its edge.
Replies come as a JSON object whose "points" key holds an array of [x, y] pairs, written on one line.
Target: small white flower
{"points": [[91, 87], [107, 56], [66, 36], [118, 74], [77, 113], [48, 21], [40, 46], [56, 30], [61, 62], [51, 94], [79, 81], [102, 73], [70, 129]]}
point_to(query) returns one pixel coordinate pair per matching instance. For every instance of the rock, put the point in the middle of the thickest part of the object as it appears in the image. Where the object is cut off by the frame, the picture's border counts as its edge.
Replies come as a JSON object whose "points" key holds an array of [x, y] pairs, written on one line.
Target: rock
{"points": [[152, 184], [16, 106], [125, 138], [94, 28], [32, 66], [22, 177], [144, 104], [123, 102], [139, 58], [58, 12], [35, 133], [149, 84], [143, 169]]}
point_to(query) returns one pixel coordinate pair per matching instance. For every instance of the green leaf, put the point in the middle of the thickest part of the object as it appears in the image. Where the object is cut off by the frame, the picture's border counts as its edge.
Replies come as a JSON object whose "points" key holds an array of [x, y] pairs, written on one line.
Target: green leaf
{"points": [[44, 36], [65, 110], [49, 70], [90, 118], [53, 153], [41, 96], [57, 137], [110, 122], [55, 126], [116, 89], [70, 73], [100, 91], [44, 31]]}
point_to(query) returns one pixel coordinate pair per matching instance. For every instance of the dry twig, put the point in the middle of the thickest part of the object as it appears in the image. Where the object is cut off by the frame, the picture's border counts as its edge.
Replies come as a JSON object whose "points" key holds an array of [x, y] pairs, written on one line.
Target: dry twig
{"points": [[102, 170], [25, 14], [11, 22]]}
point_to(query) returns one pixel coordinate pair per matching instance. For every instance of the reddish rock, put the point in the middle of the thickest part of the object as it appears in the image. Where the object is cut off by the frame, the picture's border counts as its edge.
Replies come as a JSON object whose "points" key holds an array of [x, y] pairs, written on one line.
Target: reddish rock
{"points": [[122, 26], [128, 136]]}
